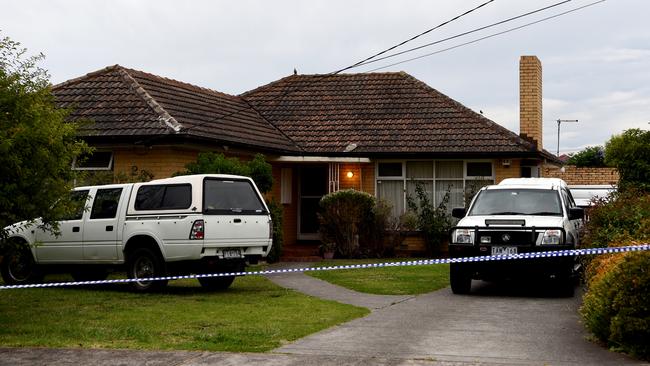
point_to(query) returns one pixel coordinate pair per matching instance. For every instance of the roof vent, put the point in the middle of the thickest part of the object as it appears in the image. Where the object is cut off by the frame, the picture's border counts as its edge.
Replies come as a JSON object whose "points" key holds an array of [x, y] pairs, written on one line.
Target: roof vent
{"points": [[350, 147]]}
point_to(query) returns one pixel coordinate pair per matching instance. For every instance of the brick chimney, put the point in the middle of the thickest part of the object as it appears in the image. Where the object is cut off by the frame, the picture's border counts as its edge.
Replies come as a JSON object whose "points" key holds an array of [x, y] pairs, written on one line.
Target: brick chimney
{"points": [[530, 100]]}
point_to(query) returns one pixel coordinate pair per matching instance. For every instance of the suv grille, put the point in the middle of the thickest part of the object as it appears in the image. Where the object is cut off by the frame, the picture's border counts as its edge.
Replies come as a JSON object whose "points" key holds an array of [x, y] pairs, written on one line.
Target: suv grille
{"points": [[507, 237]]}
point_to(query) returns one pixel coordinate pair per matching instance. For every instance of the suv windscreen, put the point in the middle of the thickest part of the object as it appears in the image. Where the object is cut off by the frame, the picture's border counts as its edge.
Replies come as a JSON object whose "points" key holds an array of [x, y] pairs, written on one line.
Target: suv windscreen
{"points": [[231, 197], [540, 202]]}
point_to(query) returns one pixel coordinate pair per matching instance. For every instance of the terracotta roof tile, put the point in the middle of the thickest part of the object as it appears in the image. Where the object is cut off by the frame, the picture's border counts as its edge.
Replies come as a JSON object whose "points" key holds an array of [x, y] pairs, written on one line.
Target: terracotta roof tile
{"points": [[380, 112]]}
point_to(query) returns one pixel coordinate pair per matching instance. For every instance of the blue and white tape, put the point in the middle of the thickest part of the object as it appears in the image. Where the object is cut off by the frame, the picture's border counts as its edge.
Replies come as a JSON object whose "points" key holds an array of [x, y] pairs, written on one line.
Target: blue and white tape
{"points": [[422, 262]]}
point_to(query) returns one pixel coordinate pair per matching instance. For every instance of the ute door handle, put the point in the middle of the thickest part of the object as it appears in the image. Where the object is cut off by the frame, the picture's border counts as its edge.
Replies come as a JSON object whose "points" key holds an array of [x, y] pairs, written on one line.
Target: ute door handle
{"points": [[75, 229], [109, 228], [236, 221]]}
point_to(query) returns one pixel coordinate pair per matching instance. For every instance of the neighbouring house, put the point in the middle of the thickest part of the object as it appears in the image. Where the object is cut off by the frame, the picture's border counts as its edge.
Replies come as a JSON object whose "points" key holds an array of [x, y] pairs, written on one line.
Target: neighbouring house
{"points": [[375, 132]]}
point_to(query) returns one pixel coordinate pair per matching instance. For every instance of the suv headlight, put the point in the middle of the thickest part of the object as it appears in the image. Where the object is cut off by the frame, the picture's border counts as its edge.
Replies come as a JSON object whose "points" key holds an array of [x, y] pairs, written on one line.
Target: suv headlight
{"points": [[553, 237], [463, 236]]}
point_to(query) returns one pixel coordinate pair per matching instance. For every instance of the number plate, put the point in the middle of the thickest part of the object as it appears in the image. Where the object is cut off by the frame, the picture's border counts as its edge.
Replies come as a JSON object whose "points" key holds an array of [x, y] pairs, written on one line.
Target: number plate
{"points": [[504, 250], [231, 253]]}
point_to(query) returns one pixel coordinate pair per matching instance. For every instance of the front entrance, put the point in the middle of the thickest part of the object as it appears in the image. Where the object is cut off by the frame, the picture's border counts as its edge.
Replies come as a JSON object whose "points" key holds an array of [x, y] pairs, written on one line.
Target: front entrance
{"points": [[313, 186]]}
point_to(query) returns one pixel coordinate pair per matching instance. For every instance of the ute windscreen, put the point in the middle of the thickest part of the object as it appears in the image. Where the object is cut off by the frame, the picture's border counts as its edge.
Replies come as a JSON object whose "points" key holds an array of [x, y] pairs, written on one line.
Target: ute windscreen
{"points": [[228, 197], [535, 202]]}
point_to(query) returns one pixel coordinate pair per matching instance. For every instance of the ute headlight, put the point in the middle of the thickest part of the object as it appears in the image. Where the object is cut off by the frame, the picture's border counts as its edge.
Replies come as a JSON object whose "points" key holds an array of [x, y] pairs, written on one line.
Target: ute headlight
{"points": [[463, 236], [552, 237]]}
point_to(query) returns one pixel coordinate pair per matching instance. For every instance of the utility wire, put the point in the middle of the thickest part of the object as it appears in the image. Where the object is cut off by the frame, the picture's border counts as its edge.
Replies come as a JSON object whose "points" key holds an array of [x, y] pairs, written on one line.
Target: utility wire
{"points": [[489, 36], [464, 33], [345, 68]]}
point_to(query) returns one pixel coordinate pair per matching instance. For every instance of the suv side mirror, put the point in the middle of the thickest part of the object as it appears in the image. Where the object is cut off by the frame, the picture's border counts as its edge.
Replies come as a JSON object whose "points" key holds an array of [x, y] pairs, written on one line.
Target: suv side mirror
{"points": [[458, 212], [576, 213]]}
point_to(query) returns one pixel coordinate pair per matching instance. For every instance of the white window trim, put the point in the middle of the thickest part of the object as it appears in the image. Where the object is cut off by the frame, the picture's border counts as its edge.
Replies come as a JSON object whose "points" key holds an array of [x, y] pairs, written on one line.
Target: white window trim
{"points": [[109, 167], [435, 179]]}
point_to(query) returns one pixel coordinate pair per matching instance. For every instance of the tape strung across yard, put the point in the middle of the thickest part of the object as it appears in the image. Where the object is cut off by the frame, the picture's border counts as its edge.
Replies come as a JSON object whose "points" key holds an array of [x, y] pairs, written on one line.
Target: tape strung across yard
{"points": [[422, 262]]}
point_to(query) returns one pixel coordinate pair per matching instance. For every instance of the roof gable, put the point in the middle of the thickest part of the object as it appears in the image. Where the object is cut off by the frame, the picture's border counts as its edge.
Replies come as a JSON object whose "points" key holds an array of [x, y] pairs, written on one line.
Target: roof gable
{"points": [[126, 102]]}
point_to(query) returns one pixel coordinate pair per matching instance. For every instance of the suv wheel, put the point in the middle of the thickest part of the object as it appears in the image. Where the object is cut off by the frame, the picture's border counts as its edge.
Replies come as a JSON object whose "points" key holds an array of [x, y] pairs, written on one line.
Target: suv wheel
{"points": [[221, 283], [460, 279], [19, 268], [145, 263]]}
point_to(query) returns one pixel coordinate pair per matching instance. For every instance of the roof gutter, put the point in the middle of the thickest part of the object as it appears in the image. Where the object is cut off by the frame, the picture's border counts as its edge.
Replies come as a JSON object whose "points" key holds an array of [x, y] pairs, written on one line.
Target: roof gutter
{"points": [[319, 159]]}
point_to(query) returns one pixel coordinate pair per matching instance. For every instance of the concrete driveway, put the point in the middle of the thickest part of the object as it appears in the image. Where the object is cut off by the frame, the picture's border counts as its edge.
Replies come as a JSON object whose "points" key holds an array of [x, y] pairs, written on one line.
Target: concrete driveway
{"points": [[496, 324]]}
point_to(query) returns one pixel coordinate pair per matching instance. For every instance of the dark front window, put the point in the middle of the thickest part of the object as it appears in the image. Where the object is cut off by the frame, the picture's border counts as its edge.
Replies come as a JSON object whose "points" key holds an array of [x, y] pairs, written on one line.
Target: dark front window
{"points": [[105, 204], [231, 197], [313, 186], [164, 197], [517, 202]]}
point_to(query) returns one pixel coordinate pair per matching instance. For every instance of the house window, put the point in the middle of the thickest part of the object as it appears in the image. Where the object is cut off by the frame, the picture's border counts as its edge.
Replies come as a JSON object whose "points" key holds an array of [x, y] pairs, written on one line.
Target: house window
{"points": [[396, 181], [98, 160]]}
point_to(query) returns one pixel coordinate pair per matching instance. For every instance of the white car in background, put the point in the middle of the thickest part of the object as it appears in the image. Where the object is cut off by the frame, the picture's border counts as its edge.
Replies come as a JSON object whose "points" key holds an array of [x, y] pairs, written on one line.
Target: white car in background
{"points": [[585, 194]]}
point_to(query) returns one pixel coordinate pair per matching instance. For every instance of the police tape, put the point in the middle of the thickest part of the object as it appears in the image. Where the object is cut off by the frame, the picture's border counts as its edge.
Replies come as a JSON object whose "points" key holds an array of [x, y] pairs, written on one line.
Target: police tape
{"points": [[421, 262]]}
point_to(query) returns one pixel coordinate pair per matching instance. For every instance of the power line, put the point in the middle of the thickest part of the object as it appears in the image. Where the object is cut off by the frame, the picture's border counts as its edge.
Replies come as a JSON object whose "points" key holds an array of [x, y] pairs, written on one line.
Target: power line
{"points": [[465, 33], [488, 36], [348, 67]]}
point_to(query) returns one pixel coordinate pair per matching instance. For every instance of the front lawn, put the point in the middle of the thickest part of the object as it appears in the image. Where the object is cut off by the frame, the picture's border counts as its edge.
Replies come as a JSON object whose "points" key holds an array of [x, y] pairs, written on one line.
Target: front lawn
{"points": [[254, 315], [409, 280]]}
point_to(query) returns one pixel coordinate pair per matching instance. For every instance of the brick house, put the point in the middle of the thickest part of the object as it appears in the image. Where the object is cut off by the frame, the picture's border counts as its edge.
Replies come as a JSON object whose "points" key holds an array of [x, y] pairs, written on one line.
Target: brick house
{"points": [[375, 132]]}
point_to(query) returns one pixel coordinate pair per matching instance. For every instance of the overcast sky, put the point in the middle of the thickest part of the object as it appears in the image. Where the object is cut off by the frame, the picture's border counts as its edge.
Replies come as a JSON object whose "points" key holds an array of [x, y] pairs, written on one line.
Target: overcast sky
{"points": [[596, 61]]}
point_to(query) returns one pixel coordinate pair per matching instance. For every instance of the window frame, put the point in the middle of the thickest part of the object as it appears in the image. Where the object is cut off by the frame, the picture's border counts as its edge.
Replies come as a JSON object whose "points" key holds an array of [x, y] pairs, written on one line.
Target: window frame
{"points": [[103, 168]]}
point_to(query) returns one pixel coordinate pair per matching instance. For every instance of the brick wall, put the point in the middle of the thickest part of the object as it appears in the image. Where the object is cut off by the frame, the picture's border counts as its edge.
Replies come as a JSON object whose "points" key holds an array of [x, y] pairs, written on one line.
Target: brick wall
{"points": [[161, 162], [573, 175], [503, 172], [530, 99]]}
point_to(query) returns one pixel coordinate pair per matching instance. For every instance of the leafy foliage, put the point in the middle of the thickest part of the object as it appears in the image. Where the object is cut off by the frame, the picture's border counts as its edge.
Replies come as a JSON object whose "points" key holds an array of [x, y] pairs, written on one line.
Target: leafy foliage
{"points": [[434, 222], [592, 156], [616, 306], [278, 235], [212, 163], [629, 152], [37, 145], [344, 216]]}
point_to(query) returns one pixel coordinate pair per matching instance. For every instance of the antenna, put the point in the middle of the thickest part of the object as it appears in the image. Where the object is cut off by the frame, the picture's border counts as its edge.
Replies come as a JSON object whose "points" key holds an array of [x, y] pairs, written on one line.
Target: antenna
{"points": [[559, 122]]}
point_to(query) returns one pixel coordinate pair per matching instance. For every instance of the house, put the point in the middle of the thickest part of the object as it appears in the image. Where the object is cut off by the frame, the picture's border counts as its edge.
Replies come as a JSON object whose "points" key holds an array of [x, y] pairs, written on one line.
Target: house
{"points": [[375, 132]]}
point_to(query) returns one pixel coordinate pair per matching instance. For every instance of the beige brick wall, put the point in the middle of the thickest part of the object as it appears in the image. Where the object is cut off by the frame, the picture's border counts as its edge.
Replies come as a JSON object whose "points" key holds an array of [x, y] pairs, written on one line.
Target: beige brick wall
{"points": [[161, 162], [530, 99], [573, 175], [503, 172], [363, 179]]}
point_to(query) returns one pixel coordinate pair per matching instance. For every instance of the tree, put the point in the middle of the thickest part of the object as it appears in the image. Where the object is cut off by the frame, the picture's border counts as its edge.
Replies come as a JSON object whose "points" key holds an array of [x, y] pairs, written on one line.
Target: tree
{"points": [[592, 156], [629, 152], [37, 145]]}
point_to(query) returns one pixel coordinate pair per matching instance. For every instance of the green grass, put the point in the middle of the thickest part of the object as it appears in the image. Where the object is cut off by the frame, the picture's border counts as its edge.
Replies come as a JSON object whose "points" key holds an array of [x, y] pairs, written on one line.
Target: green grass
{"points": [[254, 315], [410, 280]]}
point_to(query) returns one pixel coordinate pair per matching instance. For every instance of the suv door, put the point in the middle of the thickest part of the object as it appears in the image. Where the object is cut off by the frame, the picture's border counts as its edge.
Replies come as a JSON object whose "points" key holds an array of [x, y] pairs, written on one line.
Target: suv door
{"points": [[101, 228], [67, 246], [235, 216]]}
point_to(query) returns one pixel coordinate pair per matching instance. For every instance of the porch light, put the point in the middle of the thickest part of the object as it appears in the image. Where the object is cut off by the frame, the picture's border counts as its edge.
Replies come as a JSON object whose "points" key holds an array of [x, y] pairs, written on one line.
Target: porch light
{"points": [[350, 174]]}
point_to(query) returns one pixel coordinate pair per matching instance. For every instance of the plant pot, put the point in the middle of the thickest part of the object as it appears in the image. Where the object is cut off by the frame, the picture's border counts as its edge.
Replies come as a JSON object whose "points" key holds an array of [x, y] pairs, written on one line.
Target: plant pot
{"points": [[328, 255]]}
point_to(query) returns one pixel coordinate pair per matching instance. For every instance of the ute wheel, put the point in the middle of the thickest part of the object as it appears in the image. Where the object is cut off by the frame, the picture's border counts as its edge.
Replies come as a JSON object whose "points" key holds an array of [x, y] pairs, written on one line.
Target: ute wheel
{"points": [[145, 263], [19, 268], [460, 279], [221, 283], [94, 274]]}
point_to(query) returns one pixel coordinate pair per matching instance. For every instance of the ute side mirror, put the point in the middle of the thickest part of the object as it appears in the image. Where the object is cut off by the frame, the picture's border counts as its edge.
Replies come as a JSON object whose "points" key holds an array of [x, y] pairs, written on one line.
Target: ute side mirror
{"points": [[576, 213], [458, 212]]}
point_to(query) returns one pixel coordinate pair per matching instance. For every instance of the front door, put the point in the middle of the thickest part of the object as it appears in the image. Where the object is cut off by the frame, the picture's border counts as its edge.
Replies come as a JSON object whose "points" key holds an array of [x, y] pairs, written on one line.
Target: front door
{"points": [[313, 186]]}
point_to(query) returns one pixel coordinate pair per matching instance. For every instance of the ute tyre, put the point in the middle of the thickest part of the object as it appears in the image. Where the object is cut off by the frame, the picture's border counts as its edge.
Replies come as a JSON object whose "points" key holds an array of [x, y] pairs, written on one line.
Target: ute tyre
{"points": [[19, 268], [145, 263], [217, 283], [460, 279]]}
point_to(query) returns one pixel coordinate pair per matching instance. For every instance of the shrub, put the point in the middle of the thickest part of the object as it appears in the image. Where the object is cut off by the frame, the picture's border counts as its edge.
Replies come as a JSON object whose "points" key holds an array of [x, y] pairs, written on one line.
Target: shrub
{"points": [[629, 152], [434, 222], [344, 216], [592, 156], [616, 308], [278, 236]]}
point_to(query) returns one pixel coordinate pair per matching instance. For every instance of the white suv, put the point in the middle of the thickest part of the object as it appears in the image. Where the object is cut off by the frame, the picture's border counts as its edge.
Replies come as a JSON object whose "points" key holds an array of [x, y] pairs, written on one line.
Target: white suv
{"points": [[519, 215], [180, 225]]}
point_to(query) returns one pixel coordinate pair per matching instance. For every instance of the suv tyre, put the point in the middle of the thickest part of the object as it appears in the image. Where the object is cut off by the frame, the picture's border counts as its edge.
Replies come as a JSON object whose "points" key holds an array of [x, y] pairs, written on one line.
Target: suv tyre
{"points": [[19, 268], [460, 279]]}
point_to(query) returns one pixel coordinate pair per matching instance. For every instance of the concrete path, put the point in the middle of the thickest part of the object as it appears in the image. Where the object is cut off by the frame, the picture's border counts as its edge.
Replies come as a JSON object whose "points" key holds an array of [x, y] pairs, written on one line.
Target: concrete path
{"points": [[497, 324], [325, 290]]}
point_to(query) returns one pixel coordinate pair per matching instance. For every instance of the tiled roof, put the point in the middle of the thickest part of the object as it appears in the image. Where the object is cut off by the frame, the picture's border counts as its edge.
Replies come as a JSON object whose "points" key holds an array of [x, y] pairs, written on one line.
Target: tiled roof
{"points": [[380, 113], [125, 102]]}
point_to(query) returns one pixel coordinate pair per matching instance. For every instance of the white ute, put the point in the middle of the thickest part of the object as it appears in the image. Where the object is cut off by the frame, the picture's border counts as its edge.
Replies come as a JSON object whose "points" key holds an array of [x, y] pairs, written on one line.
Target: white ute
{"points": [[181, 225]]}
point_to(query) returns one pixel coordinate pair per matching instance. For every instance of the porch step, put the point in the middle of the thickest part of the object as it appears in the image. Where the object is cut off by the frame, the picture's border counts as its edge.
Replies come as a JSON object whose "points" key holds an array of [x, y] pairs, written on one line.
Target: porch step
{"points": [[297, 253]]}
